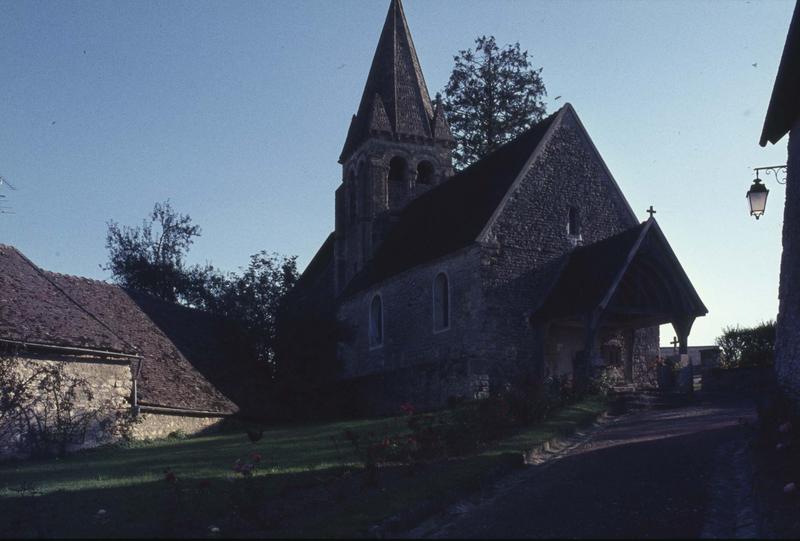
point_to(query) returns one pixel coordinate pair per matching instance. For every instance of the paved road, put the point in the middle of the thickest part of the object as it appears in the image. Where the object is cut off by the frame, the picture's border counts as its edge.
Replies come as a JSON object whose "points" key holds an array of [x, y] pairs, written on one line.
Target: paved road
{"points": [[679, 472]]}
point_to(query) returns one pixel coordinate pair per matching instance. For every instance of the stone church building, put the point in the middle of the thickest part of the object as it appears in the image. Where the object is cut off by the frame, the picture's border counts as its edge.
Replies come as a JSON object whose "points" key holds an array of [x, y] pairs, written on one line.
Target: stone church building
{"points": [[529, 263]]}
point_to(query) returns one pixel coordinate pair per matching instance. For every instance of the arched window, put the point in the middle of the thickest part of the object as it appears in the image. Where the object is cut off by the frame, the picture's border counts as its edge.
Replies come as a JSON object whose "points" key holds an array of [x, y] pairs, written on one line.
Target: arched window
{"points": [[441, 302], [397, 169], [425, 172], [574, 222], [376, 322]]}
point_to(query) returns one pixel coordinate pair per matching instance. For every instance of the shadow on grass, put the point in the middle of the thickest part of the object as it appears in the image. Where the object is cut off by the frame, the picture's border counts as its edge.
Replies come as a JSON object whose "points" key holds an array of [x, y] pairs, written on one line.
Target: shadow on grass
{"points": [[306, 485]]}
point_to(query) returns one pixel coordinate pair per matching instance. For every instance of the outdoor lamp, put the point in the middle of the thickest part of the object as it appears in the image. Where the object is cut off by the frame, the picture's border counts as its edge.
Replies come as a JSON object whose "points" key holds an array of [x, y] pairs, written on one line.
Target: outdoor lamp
{"points": [[757, 197]]}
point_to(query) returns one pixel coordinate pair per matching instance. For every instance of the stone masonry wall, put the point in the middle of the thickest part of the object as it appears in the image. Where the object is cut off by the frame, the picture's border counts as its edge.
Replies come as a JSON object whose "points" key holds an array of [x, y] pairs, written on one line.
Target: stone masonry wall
{"points": [[110, 383], [532, 231], [412, 350], [645, 352], [367, 202], [494, 287], [787, 339], [161, 425]]}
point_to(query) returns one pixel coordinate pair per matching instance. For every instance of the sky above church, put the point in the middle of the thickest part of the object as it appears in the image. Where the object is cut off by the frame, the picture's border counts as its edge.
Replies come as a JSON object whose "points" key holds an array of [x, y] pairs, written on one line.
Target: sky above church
{"points": [[237, 112]]}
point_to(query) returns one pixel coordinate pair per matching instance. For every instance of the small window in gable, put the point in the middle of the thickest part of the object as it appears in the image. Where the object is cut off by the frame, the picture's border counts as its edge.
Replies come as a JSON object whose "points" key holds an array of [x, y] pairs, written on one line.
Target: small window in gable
{"points": [[574, 222], [441, 303], [376, 322]]}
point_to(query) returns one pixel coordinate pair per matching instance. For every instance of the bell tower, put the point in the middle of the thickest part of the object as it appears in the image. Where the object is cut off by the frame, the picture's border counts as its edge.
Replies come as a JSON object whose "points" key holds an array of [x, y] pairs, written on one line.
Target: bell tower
{"points": [[398, 147]]}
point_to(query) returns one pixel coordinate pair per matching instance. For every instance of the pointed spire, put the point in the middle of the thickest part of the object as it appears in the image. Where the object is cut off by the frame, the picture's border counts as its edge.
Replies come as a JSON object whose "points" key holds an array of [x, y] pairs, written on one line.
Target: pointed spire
{"points": [[396, 77]]}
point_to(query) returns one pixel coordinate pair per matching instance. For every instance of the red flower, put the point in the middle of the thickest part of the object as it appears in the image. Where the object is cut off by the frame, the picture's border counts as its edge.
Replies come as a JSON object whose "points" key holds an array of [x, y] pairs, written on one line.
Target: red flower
{"points": [[169, 476], [205, 483], [255, 457], [408, 408]]}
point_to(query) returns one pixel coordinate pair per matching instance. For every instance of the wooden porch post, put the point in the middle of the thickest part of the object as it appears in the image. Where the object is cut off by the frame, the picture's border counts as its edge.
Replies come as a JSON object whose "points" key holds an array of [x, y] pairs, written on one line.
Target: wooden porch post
{"points": [[682, 326]]}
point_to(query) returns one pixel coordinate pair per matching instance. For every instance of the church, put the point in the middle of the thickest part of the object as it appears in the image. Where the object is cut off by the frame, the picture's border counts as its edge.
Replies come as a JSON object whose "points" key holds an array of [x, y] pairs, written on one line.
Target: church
{"points": [[529, 264]]}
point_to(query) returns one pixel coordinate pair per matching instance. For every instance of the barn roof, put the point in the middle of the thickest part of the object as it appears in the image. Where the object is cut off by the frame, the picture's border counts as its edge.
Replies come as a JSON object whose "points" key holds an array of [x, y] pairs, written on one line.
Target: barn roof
{"points": [[179, 348], [34, 310], [784, 106]]}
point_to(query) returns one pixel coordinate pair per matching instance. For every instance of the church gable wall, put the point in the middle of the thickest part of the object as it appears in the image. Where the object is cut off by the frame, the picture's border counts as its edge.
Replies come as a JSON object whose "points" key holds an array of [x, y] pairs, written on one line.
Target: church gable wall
{"points": [[533, 229]]}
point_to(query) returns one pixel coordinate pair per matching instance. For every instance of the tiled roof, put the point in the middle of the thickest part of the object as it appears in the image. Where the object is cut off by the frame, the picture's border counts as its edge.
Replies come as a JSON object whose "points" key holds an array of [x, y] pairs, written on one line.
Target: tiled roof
{"points": [[180, 348], [34, 310], [453, 214]]}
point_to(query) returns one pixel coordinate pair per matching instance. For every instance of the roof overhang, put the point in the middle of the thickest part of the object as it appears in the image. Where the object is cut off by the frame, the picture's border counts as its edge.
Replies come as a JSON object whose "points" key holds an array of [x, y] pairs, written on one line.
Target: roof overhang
{"points": [[784, 105], [632, 279]]}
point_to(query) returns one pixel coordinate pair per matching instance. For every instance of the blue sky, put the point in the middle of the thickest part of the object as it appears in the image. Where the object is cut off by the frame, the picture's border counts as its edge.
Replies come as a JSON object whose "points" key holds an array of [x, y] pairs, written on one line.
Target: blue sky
{"points": [[237, 111]]}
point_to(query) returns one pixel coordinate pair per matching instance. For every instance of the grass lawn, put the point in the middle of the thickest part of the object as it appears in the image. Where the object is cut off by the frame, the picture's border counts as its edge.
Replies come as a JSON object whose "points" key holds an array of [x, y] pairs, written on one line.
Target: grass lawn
{"points": [[61, 498]]}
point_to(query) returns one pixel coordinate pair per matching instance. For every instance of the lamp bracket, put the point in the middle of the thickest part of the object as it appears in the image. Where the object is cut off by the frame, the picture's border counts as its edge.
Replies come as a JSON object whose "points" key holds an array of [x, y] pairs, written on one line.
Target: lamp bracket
{"points": [[777, 171]]}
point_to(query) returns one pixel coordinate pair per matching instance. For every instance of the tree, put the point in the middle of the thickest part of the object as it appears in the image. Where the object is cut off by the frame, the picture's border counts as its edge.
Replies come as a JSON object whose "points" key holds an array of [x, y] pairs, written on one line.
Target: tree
{"points": [[252, 298], [150, 257], [492, 96], [747, 346]]}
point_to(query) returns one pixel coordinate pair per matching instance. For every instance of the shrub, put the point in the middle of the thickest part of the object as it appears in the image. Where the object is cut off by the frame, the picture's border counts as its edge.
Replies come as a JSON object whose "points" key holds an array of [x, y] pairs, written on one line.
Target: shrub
{"points": [[742, 347]]}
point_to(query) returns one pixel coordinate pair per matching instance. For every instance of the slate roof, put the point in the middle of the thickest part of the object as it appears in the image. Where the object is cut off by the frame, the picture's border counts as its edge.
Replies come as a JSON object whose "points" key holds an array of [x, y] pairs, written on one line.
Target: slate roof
{"points": [[587, 273], [784, 106], [395, 101], [167, 336], [318, 263], [180, 348], [451, 215]]}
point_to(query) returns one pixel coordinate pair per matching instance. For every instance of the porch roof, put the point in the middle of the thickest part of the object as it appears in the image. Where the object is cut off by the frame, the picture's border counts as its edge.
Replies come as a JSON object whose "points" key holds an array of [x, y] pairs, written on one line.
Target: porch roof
{"points": [[632, 279]]}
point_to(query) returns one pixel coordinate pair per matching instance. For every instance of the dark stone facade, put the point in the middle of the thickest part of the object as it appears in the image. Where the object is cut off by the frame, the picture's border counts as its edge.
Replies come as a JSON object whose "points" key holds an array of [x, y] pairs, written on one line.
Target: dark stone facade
{"points": [[787, 338], [495, 284], [499, 232]]}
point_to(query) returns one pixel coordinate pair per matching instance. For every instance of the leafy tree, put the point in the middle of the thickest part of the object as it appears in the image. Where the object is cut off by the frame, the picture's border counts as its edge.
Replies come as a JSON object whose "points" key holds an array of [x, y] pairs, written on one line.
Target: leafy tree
{"points": [[747, 346], [493, 95], [252, 298], [150, 257]]}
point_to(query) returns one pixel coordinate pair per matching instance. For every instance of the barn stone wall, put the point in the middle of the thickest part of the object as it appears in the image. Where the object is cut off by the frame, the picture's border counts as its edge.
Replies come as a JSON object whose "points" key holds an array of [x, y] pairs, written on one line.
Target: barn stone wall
{"points": [[109, 381], [160, 425], [787, 339], [111, 385]]}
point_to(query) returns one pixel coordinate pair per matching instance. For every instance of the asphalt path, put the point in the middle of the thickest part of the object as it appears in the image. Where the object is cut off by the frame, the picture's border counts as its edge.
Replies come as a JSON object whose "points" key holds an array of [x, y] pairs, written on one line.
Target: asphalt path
{"points": [[662, 472]]}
